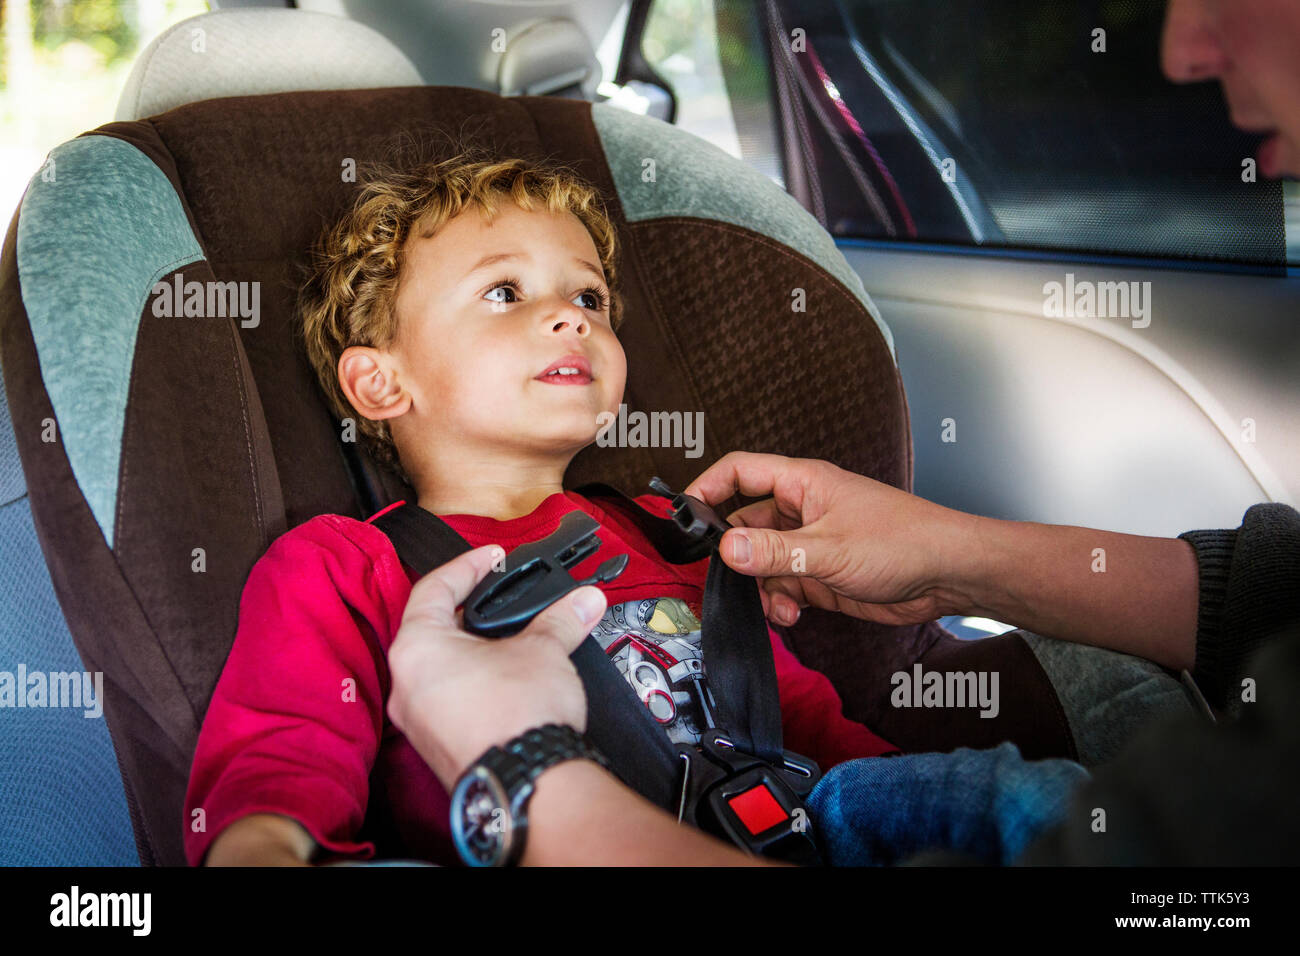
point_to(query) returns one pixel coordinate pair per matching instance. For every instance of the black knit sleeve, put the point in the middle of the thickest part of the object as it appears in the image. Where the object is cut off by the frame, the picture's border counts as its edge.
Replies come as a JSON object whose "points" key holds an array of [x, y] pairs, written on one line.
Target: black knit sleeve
{"points": [[1249, 592], [1184, 792]]}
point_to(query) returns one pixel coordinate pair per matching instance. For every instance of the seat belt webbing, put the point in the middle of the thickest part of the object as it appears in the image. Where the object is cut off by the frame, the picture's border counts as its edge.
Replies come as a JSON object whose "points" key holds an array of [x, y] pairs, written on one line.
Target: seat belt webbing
{"points": [[737, 652], [618, 724]]}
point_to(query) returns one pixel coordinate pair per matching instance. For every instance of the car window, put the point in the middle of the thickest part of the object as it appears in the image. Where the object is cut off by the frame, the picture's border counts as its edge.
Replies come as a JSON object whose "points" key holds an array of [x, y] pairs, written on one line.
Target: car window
{"points": [[713, 57], [1003, 124], [65, 64]]}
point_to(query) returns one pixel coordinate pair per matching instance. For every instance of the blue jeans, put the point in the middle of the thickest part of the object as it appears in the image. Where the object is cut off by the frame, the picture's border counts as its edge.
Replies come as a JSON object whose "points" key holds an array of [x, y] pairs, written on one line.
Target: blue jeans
{"points": [[986, 804]]}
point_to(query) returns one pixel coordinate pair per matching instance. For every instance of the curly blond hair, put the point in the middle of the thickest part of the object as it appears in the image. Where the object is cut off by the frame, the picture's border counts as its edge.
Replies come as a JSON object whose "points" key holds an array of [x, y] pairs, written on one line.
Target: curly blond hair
{"points": [[350, 291]]}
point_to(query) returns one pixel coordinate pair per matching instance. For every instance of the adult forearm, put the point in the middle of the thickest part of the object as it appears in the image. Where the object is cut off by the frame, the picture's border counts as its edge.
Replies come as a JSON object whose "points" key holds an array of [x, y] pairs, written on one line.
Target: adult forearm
{"points": [[1120, 591], [581, 815]]}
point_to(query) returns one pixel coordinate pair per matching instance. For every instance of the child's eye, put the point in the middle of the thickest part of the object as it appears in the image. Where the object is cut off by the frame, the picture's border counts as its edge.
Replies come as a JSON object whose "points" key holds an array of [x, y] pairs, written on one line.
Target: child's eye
{"points": [[598, 296], [511, 284], [597, 299]]}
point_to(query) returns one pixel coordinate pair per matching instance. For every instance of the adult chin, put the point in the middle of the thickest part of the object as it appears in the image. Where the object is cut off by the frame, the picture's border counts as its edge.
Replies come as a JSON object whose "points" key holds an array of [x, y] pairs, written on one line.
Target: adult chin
{"points": [[1278, 157]]}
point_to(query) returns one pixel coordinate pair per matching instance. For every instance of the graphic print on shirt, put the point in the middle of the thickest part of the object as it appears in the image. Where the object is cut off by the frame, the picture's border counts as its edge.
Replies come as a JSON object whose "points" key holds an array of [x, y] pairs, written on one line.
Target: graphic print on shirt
{"points": [[656, 645]]}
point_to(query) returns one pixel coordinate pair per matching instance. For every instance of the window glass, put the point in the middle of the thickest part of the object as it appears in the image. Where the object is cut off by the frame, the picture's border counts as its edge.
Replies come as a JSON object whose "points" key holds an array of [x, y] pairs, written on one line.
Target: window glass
{"points": [[711, 53], [65, 64], [996, 123]]}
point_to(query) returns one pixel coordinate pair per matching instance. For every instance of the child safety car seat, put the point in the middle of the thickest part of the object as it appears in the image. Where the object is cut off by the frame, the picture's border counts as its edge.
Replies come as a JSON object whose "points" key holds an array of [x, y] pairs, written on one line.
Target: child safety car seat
{"points": [[162, 454]]}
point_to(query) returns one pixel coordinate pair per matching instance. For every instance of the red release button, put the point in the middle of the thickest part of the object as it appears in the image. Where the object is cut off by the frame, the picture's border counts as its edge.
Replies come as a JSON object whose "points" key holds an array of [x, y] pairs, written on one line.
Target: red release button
{"points": [[757, 809]]}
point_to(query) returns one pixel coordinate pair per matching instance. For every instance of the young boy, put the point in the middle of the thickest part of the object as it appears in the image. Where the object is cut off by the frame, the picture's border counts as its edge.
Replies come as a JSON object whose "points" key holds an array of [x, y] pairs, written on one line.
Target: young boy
{"points": [[463, 315]]}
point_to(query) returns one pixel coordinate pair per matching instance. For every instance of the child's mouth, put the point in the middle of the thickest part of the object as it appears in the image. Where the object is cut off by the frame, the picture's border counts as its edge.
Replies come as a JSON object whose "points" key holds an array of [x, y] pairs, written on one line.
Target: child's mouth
{"points": [[572, 369], [577, 377]]}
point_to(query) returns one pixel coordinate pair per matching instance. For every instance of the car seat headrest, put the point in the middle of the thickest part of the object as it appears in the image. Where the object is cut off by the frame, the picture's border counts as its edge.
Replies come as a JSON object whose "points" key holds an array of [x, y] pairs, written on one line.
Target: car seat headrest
{"points": [[550, 58], [238, 52]]}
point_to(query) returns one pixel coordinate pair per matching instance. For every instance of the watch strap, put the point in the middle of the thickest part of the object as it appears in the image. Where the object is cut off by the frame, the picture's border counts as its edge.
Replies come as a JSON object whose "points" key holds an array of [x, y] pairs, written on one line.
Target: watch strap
{"points": [[518, 762], [522, 759]]}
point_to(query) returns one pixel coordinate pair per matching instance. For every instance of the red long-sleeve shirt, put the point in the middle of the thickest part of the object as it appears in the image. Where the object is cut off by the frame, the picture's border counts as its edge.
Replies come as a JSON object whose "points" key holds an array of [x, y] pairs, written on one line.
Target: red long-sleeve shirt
{"points": [[297, 724]]}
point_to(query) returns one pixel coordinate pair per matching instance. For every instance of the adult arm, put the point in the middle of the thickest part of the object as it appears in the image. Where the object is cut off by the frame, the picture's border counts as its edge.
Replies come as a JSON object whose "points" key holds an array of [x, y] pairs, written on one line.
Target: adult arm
{"points": [[1204, 601], [1125, 592], [832, 539], [581, 815]]}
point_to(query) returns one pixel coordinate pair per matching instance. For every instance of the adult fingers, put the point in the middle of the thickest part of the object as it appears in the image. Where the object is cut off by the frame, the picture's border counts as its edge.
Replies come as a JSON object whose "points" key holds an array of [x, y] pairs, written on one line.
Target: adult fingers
{"points": [[785, 598], [765, 553], [570, 619], [753, 475], [759, 514], [435, 597]]}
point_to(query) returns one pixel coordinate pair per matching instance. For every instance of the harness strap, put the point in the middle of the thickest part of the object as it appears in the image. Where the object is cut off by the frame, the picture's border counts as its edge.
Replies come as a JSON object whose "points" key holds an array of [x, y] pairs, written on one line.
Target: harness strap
{"points": [[619, 725], [737, 652]]}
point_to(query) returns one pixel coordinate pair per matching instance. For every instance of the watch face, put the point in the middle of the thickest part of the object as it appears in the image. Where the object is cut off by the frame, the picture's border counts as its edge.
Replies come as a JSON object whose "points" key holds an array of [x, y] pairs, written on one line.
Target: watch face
{"points": [[481, 823]]}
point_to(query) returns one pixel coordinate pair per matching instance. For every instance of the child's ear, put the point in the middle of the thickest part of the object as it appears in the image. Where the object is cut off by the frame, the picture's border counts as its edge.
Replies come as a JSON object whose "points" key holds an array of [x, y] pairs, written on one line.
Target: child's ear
{"points": [[368, 378]]}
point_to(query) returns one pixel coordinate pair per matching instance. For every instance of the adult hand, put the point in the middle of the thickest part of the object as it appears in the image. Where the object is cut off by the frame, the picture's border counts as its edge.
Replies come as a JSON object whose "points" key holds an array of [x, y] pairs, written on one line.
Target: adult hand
{"points": [[455, 694], [832, 539]]}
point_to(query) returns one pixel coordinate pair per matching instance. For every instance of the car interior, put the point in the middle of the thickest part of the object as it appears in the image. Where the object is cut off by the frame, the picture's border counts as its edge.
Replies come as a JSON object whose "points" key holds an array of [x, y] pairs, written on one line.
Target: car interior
{"points": [[148, 461]]}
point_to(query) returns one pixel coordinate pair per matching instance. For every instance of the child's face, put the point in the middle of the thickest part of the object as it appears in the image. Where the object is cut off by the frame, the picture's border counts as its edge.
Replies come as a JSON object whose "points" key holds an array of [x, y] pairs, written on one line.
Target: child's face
{"points": [[470, 346]]}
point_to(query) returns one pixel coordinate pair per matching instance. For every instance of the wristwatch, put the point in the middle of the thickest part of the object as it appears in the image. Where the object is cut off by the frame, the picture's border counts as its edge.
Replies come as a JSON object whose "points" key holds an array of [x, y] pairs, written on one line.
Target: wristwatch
{"points": [[489, 821]]}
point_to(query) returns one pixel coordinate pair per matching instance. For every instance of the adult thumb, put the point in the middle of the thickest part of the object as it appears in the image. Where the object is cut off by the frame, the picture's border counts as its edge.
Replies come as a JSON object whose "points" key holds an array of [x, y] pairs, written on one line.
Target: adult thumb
{"points": [[764, 553], [570, 619]]}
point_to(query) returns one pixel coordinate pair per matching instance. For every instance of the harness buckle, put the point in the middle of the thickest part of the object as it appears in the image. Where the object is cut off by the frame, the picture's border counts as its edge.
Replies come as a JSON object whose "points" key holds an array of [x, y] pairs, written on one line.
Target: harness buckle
{"points": [[692, 515], [748, 802], [536, 575]]}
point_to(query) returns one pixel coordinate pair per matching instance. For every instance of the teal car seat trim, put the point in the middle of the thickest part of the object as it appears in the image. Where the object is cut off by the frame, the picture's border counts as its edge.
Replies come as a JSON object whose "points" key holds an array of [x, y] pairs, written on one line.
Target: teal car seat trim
{"points": [[99, 225]]}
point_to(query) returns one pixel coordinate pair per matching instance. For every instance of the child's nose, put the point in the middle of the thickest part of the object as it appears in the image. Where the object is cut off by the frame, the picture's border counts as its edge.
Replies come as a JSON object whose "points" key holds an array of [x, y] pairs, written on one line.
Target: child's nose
{"points": [[566, 316]]}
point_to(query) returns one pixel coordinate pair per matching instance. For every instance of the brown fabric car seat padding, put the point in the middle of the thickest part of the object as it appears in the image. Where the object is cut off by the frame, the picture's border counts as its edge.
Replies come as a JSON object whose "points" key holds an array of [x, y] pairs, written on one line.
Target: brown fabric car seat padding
{"points": [[228, 442]]}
